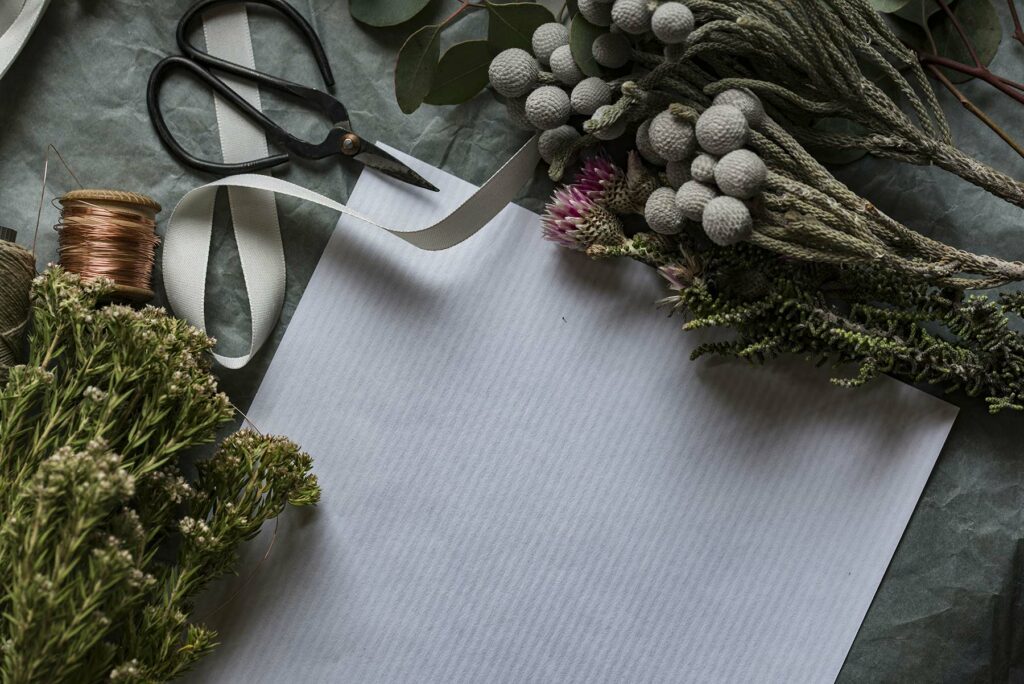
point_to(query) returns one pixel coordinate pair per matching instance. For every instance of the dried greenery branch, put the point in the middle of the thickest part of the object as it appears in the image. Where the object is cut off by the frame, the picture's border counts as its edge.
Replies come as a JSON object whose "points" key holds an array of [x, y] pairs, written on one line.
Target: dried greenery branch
{"points": [[104, 542]]}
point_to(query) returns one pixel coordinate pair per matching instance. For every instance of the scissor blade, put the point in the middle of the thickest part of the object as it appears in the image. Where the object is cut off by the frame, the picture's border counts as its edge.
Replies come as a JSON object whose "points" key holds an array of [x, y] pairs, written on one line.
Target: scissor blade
{"points": [[376, 158]]}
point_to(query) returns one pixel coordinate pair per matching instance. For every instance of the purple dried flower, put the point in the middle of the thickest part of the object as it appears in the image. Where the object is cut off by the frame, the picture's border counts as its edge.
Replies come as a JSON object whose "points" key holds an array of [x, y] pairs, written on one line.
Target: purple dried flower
{"points": [[575, 220], [598, 175]]}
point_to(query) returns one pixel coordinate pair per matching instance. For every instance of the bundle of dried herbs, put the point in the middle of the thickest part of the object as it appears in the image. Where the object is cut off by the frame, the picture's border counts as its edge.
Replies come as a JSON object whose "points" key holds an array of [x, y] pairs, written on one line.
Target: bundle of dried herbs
{"points": [[105, 539]]}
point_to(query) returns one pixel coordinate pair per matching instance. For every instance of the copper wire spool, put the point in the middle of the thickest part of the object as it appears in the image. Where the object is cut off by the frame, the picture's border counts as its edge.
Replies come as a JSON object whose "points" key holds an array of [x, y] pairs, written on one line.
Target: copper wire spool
{"points": [[111, 234]]}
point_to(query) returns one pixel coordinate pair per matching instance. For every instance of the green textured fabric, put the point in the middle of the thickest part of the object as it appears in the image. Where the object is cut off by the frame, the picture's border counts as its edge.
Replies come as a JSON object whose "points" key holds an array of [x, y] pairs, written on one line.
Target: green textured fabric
{"points": [[948, 609]]}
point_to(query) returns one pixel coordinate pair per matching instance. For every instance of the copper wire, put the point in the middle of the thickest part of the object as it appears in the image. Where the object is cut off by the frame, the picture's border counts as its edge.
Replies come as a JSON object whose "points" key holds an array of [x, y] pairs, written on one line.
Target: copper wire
{"points": [[96, 241]]}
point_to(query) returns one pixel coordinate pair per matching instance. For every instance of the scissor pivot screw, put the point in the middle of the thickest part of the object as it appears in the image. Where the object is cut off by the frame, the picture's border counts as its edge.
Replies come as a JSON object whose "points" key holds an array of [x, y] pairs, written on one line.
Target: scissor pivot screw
{"points": [[350, 144]]}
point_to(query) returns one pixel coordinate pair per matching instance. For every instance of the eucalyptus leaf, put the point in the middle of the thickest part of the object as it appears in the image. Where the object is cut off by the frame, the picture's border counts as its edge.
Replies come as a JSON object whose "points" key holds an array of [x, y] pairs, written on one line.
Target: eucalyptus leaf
{"points": [[461, 74], [512, 25], [980, 21], [919, 11], [385, 12], [416, 66], [582, 35]]}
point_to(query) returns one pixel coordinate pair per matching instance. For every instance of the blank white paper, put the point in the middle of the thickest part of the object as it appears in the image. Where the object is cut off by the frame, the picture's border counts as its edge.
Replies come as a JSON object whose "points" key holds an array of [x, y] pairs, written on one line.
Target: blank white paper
{"points": [[525, 479]]}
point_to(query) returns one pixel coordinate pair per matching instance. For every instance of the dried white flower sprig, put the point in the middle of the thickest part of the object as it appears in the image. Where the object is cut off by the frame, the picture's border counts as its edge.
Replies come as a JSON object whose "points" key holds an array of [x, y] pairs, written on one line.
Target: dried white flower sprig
{"points": [[104, 542]]}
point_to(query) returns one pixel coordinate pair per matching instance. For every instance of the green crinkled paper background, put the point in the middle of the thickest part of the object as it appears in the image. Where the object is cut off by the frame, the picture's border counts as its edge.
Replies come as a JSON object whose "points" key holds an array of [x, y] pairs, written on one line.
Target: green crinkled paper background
{"points": [[949, 608]]}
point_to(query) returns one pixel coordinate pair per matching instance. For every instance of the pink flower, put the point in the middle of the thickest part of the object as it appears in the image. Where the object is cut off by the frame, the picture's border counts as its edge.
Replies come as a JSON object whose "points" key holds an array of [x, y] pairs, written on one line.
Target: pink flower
{"points": [[574, 220], [597, 176]]}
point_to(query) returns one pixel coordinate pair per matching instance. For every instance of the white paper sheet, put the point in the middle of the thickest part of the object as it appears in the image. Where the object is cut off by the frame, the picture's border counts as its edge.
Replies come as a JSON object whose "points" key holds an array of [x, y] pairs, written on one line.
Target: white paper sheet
{"points": [[526, 480]]}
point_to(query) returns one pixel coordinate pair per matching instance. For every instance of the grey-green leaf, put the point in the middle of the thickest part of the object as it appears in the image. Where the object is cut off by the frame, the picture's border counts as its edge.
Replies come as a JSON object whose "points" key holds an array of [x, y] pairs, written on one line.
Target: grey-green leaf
{"points": [[512, 25], [918, 11], [980, 21], [582, 35], [385, 12], [416, 66], [461, 74]]}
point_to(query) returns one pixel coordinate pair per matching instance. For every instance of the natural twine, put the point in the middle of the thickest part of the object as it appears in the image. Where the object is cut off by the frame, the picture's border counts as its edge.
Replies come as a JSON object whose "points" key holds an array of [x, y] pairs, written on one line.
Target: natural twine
{"points": [[17, 268]]}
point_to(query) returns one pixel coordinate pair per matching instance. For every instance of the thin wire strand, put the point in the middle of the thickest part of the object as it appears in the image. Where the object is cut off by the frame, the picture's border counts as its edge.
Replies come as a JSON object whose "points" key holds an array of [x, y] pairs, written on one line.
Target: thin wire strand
{"points": [[42, 190]]}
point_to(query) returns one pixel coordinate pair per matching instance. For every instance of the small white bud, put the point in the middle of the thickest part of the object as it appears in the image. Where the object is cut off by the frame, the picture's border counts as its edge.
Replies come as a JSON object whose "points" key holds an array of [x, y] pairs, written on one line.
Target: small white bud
{"points": [[703, 168]]}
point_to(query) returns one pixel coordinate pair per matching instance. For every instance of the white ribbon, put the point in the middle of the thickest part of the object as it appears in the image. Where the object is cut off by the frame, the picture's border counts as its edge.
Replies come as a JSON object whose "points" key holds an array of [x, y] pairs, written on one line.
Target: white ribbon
{"points": [[254, 213], [19, 31]]}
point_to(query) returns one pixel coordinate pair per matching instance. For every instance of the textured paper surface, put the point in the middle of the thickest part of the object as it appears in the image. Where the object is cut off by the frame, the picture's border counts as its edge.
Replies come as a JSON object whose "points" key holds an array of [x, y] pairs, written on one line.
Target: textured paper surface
{"points": [[526, 480]]}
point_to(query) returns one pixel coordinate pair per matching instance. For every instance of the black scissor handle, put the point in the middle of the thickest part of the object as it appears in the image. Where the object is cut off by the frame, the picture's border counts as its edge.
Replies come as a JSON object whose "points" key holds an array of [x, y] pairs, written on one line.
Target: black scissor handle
{"points": [[304, 27], [156, 80]]}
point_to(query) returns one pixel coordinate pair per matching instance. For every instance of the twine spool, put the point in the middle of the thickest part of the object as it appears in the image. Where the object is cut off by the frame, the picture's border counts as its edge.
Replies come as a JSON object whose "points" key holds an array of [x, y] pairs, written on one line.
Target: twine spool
{"points": [[112, 234], [17, 268]]}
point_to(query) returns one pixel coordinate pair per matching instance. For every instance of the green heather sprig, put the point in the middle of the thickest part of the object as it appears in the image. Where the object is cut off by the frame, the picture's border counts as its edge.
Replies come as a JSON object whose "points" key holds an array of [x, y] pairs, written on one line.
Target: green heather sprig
{"points": [[104, 543]]}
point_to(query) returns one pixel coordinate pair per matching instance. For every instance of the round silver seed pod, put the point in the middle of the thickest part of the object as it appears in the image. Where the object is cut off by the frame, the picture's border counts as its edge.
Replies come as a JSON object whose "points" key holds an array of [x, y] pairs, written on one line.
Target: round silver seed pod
{"points": [[662, 213], [672, 23], [547, 107], [703, 168], [671, 138], [564, 67], [547, 38], [727, 220], [596, 12], [632, 16], [513, 72], [747, 102], [644, 147], [611, 50], [741, 174], [677, 173], [722, 129], [553, 141], [589, 94], [693, 197]]}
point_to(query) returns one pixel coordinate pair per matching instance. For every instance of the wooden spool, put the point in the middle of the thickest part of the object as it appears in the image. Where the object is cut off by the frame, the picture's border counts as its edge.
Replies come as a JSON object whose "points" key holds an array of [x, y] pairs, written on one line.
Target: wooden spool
{"points": [[118, 200]]}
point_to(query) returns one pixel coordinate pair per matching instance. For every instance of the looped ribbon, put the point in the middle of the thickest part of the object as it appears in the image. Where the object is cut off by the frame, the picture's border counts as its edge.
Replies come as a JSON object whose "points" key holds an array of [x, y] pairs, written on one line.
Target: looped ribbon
{"points": [[254, 211], [26, 15]]}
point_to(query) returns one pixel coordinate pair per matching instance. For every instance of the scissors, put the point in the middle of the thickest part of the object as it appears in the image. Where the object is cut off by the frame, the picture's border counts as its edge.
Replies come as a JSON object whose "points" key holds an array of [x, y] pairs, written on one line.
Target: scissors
{"points": [[341, 140]]}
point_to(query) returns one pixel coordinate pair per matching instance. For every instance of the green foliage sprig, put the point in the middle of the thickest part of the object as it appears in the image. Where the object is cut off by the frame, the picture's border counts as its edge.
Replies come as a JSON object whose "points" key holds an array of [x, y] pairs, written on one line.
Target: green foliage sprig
{"points": [[878, 320], [104, 542]]}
